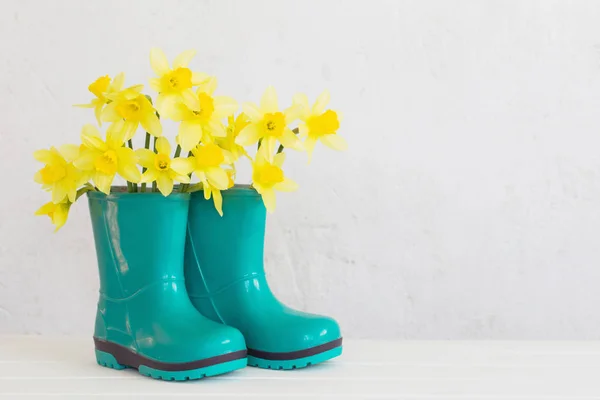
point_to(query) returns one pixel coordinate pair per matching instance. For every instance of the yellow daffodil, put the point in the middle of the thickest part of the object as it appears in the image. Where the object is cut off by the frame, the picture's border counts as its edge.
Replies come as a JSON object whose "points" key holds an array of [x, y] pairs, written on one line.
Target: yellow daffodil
{"points": [[58, 213], [208, 161], [200, 115], [100, 88], [211, 191], [269, 124], [161, 168], [134, 108], [319, 124], [59, 175], [268, 176], [104, 159], [234, 128], [173, 83]]}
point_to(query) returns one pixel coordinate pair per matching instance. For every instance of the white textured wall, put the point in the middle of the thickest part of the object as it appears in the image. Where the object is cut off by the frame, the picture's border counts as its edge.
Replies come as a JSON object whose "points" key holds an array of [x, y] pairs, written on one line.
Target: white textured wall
{"points": [[468, 205]]}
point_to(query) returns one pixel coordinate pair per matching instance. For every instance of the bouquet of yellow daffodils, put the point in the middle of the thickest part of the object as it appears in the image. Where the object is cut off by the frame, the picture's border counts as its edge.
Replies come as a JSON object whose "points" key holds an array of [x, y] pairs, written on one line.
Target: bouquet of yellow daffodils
{"points": [[211, 138]]}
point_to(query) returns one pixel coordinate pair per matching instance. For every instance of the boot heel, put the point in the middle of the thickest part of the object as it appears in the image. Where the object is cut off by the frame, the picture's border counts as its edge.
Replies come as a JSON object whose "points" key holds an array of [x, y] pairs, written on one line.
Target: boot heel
{"points": [[108, 360]]}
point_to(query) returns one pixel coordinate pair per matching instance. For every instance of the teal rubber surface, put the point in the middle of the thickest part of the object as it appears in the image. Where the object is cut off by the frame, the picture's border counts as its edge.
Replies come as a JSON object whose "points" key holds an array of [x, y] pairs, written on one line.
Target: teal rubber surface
{"points": [[225, 278], [144, 305], [107, 360], [294, 364]]}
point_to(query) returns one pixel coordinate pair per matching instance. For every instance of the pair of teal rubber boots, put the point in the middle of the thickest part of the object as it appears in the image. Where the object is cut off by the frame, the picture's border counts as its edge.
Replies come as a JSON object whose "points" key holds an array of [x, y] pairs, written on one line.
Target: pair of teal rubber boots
{"points": [[183, 293]]}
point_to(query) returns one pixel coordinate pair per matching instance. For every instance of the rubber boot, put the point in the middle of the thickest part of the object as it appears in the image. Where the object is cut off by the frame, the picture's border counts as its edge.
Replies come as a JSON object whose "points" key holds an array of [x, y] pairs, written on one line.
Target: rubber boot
{"points": [[226, 281], [145, 319]]}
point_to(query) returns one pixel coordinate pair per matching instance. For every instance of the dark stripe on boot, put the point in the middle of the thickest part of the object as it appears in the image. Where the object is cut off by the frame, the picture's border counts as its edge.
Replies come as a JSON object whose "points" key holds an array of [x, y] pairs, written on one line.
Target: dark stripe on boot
{"points": [[129, 358], [293, 355]]}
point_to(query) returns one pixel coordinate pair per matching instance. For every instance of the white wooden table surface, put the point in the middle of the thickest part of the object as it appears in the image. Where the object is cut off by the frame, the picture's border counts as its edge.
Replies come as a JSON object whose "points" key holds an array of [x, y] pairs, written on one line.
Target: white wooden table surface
{"points": [[42, 367]]}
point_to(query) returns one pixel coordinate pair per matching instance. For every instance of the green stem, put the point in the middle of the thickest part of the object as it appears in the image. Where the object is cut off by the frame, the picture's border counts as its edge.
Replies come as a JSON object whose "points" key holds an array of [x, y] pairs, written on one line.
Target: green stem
{"points": [[154, 189], [134, 186], [146, 146], [177, 151], [82, 191]]}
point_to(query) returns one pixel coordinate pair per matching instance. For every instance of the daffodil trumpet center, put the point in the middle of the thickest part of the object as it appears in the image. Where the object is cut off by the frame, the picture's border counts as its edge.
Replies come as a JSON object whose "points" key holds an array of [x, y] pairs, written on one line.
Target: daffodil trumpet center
{"points": [[176, 81], [107, 162], [324, 124], [162, 162], [52, 173], [268, 175], [129, 110], [207, 107], [100, 86], [209, 156], [273, 124]]}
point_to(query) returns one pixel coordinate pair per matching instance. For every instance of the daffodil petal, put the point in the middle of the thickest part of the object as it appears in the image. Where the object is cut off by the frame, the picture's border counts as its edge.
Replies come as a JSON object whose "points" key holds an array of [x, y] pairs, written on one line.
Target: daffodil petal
{"points": [[59, 193], [199, 77], [176, 111], [302, 130], [181, 178], [334, 141], [164, 184], [249, 135], [301, 101], [127, 165], [116, 132], [37, 178], [292, 113], [208, 85], [129, 129], [90, 137], [151, 124], [183, 59], [60, 215], [158, 62], [287, 185], [309, 145], [190, 99], [109, 113], [45, 209], [149, 176], [182, 166], [224, 107], [290, 140], [269, 144], [322, 101], [155, 84], [69, 151], [118, 82], [145, 157], [85, 161], [268, 197], [218, 201], [46, 156], [190, 133], [278, 159], [98, 112], [103, 182], [163, 146], [217, 177], [216, 128], [268, 102], [252, 111]]}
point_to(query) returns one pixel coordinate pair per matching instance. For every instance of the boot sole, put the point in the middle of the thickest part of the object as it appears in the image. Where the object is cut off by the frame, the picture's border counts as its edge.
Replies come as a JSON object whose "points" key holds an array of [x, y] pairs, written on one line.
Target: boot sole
{"points": [[112, 355], [295, 359]]}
